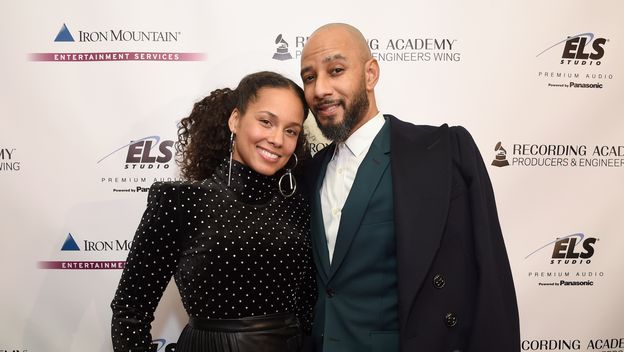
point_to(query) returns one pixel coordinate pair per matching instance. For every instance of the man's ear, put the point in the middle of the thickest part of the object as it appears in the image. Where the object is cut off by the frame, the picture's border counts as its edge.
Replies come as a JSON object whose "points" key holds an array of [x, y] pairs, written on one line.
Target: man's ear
{"points": [[371, 72]]}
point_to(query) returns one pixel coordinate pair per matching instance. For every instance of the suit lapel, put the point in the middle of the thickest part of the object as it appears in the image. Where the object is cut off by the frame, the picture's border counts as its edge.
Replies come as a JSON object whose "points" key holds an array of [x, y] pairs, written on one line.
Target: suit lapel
{"points": [[367, 177], [317, 227]]}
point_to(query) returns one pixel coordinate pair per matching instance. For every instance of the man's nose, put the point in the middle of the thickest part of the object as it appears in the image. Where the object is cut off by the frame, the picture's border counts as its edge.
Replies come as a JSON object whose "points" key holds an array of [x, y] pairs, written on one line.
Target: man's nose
{"points": [[322, 87]]}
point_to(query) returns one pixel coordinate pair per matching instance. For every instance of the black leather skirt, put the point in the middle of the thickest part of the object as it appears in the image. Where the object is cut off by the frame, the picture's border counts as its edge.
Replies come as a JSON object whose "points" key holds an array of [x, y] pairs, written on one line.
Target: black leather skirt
{"points": [[265, 333]]}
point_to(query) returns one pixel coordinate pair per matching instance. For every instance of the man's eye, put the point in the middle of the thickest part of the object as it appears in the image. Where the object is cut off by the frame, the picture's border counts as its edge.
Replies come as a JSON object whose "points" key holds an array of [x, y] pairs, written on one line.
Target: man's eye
{"points": [[337, 70]]}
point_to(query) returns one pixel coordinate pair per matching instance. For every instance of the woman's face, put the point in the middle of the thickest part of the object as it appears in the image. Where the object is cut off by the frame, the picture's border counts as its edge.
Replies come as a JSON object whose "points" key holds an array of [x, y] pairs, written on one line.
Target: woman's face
{"points": [[266, 135]]}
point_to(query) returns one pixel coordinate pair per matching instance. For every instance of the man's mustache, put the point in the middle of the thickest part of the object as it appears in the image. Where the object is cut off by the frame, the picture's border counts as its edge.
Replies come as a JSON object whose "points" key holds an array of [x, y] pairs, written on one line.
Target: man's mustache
{"points": [[326, 102]]}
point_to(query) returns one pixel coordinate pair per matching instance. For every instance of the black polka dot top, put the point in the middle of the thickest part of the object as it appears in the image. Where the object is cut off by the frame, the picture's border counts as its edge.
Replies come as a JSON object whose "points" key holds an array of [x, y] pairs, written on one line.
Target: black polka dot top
{"points": [[234, 251]]}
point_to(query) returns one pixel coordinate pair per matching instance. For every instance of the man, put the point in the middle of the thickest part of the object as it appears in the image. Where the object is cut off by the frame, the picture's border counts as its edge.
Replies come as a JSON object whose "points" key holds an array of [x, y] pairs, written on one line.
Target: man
{"points": [[405, 234]]}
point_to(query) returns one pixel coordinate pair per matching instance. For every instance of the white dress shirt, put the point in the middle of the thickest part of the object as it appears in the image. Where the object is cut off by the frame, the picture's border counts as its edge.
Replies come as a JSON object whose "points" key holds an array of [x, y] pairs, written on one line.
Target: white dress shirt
{"points": [[340, 174]]}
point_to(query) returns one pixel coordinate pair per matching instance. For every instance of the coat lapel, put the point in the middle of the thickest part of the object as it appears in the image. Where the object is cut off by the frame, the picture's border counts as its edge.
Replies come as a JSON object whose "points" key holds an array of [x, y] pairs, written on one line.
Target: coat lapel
{"points": [[421, 178], [367, 177], [317, 227]]}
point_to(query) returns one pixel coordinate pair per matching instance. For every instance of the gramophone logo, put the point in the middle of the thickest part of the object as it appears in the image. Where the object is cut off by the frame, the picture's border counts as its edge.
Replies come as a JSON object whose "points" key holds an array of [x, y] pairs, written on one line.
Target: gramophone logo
{"points": [[501, 156], [281, 53]]}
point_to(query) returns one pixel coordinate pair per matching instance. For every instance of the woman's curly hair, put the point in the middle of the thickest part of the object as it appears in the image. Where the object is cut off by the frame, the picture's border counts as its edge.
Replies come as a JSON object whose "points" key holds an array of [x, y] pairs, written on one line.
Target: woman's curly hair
{"points": [[204, 136]]}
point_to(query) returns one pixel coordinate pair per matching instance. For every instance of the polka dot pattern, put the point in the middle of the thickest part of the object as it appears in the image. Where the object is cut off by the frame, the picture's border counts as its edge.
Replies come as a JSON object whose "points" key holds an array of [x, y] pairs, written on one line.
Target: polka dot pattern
{"points": [[236, 251]]}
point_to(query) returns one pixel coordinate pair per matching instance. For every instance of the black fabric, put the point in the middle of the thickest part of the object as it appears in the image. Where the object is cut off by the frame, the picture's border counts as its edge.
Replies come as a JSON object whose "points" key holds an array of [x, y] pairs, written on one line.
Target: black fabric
{"points": [[446, 224], [235, 251], [274, 332]]}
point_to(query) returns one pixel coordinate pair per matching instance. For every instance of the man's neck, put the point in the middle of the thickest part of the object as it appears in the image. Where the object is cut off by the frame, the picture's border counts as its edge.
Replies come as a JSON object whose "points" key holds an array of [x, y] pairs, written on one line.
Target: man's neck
{"points": [[364, 120]]}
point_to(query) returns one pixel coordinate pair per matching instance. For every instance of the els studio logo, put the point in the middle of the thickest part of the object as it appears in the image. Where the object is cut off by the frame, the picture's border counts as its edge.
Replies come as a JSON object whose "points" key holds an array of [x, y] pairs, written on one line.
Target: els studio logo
{"points": [[161, 345], [568, 253], [572, 249], [145, 159], [578, 51], [64, 35], [580, 59], [70, 245], [140, 154]]}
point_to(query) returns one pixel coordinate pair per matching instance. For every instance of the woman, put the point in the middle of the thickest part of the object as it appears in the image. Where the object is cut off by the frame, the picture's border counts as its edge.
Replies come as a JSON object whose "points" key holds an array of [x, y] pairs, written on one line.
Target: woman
{"points": [[235, 236]]}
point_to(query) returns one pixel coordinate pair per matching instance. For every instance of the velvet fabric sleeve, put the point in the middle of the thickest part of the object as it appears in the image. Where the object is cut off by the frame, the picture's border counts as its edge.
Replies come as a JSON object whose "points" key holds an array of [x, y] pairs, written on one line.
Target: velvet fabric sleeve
{"points": [[151, 262]]}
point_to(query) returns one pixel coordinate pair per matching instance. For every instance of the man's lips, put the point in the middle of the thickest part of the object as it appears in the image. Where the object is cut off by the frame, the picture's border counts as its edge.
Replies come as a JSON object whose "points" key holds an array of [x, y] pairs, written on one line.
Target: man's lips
{"points": [[327, 109]]}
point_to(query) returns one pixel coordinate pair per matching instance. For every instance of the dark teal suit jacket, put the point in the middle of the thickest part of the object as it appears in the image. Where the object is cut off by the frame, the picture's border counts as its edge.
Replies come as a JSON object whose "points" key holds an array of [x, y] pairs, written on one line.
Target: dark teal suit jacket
{"points": [[357, 307], [455, 289]]}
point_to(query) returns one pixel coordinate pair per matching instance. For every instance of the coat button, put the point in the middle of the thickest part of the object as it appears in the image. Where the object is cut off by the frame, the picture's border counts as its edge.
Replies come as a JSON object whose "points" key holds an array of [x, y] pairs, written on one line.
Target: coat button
{"points": [[450, 319], [439, 281], [330, 292]]}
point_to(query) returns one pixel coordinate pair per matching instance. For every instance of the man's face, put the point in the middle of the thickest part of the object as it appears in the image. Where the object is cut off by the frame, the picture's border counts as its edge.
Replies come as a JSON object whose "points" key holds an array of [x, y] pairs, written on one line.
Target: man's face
{"points": [[334, 83]]}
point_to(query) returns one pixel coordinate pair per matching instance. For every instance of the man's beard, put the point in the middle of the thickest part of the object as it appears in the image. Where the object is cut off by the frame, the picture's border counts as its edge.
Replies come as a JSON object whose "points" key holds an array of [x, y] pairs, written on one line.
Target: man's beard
{"points": [[339, 132]]}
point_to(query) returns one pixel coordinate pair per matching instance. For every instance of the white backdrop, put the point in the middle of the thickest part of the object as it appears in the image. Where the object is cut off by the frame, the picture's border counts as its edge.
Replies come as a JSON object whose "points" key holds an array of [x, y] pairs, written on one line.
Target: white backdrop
{"points": [[81, 140]]}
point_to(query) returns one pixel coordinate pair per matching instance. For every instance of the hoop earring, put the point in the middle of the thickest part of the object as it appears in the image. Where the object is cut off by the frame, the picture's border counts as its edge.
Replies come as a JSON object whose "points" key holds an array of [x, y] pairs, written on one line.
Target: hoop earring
{"points": [[291, 180], [231, 151]]}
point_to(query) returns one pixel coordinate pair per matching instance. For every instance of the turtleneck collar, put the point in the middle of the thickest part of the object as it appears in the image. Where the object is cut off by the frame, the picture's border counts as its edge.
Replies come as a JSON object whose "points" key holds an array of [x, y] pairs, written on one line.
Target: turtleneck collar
{"points": [[248, 185]]}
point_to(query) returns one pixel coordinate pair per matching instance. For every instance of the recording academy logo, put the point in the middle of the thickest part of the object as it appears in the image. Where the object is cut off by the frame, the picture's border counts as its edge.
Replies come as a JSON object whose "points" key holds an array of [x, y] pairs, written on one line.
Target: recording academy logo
{"points": [[287, 49], [565, 256], [559, 155], [580, 62], [91, 246], [8, 160], [500, 159], [601, 344], [144, 161], [281, 53], [154, 38], [402, 48]]}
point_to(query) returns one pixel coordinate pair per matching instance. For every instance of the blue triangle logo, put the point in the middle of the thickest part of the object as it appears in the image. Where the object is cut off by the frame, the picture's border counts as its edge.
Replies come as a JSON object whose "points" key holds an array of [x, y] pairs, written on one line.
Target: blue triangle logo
{"points": [[70, 244], [64, 35]]}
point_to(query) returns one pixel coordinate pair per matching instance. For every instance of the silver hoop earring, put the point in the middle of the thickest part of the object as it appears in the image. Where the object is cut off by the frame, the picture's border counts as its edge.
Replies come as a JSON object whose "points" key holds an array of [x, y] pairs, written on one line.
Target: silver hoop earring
{"points": [[231, 151], [291, 180]]}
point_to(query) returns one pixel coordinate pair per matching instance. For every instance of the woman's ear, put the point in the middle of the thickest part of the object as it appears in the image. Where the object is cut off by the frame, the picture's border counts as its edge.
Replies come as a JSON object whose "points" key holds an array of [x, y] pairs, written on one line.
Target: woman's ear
{"points": [[233, 120]]}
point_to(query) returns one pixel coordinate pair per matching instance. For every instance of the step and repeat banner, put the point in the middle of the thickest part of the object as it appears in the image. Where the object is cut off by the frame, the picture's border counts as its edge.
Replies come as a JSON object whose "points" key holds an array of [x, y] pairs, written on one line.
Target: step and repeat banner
{"points": [[91, 94]]}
